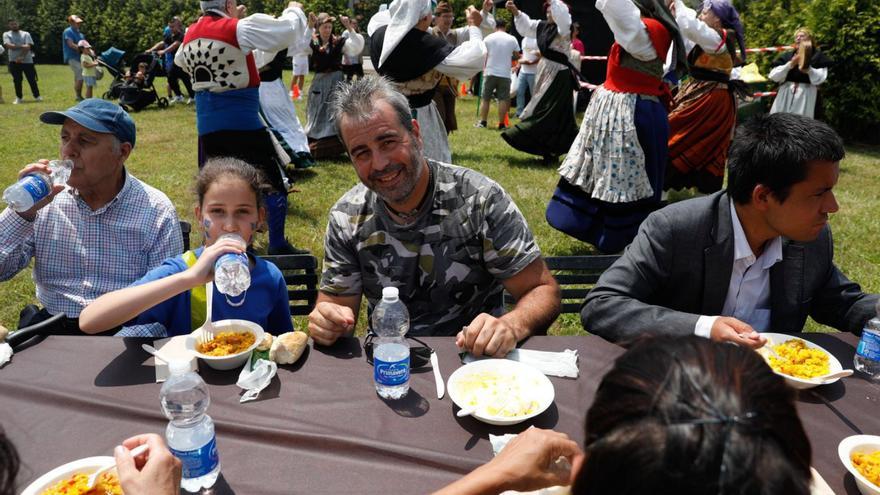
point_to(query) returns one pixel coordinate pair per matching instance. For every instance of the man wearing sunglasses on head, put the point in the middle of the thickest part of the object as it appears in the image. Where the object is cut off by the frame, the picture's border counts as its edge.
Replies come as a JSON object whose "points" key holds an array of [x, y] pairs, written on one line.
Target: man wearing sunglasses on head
{"points": [[447, 237]]}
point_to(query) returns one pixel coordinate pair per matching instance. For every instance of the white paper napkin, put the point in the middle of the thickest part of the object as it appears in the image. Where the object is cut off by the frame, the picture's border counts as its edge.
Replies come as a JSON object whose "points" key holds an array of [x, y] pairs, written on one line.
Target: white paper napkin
{"points": [[5, 353], [500, 441], [563, 364], [256, 379], [172, 348]]}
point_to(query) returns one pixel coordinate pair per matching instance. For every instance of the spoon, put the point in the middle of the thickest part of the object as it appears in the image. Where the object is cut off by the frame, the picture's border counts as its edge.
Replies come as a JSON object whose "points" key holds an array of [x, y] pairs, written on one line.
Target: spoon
{"points": [[97, 474], [833, 376], [155, 352]]}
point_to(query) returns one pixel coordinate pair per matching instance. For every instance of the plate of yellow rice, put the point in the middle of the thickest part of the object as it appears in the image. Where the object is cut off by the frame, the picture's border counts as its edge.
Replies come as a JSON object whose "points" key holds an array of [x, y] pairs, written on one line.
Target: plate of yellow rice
{"points": [[801, 362], [231, 346], [860, 454], [72, 479]]}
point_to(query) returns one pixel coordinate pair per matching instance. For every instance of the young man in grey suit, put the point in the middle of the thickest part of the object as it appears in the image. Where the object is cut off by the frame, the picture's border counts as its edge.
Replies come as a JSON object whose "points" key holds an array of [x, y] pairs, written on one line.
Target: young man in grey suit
{"points": [[756, 257]]}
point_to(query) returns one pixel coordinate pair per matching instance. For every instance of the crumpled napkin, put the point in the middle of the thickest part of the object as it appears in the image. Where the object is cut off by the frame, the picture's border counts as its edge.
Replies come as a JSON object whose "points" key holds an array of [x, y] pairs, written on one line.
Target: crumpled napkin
{"points": [[256, 379], [500, 441], [563, 364], [5, 353]]}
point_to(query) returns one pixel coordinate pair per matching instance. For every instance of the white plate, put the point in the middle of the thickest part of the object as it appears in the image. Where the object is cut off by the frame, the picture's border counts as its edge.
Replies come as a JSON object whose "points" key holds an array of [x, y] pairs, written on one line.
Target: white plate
{"points": [[231, 361], [803, 383], [88, 466], [859, 444], [527, 381]]}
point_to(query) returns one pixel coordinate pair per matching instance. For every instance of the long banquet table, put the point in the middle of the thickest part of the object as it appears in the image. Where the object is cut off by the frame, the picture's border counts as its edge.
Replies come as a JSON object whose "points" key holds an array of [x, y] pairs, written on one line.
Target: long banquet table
{"points": [[321, 428]]}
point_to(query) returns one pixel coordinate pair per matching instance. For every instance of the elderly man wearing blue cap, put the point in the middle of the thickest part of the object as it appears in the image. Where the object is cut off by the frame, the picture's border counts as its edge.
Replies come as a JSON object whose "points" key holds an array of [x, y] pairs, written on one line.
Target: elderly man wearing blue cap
{"points": [[101, 232]]}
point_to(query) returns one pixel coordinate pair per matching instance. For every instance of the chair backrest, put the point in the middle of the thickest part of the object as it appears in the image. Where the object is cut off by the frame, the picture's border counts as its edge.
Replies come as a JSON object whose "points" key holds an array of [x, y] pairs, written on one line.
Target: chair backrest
{"points": [[185, 229], [576, 275], [301, 276]]}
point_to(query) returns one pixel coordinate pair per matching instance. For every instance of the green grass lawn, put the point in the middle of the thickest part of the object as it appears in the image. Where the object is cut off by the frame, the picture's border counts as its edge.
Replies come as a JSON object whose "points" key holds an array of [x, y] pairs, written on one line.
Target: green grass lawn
{"points": [[165, 157]]}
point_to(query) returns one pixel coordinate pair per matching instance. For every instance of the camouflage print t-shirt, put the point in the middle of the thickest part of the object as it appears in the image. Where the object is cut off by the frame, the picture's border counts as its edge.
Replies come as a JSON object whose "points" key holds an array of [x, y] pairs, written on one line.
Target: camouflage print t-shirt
{"points": [[448, 264]]}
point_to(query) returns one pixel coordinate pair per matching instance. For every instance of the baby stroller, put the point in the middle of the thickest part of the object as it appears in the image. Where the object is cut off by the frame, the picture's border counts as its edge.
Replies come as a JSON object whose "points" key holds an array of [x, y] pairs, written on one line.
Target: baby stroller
{"points": [[111, 59], [137, 95]]}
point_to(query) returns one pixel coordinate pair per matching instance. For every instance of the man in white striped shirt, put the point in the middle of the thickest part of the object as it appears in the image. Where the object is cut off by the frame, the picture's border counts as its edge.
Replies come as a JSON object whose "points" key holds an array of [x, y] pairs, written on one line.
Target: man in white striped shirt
{"points": [[101, 232]]}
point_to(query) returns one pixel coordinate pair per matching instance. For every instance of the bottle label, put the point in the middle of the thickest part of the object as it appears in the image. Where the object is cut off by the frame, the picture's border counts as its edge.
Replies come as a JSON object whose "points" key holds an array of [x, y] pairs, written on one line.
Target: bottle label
{"points": [[35, 186], [391, 374], [237, 257], [869, 345], [198, 462]]}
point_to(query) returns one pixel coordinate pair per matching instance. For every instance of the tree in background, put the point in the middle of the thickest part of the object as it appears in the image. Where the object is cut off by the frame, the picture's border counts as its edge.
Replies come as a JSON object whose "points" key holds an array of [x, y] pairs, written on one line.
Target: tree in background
{"points": [[848, 31]]}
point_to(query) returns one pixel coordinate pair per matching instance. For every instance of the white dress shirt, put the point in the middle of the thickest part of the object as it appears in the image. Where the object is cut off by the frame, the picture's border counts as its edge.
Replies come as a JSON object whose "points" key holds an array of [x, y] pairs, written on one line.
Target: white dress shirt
{"points": [[748, 293], [625, 22]]}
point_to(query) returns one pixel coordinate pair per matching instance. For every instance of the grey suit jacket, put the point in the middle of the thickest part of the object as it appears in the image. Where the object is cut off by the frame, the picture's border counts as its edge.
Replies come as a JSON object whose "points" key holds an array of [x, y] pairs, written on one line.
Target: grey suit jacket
{"points": [[679, 266]]}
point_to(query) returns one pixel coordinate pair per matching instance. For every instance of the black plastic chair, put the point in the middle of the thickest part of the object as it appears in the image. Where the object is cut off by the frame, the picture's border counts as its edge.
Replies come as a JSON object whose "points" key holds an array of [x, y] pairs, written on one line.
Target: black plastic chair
{"points": [[28, 336], [185, 229], [301, 276], [576, 275]]}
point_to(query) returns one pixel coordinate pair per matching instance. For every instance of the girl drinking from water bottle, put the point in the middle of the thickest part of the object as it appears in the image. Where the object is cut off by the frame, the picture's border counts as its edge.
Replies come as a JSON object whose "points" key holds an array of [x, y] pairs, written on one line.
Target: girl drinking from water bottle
{"points": [[171, 299]]}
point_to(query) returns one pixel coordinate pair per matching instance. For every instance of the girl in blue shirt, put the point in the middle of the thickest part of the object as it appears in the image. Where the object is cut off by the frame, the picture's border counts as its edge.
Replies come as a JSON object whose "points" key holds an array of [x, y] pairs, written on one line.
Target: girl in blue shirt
{"points": [[173, 294]]}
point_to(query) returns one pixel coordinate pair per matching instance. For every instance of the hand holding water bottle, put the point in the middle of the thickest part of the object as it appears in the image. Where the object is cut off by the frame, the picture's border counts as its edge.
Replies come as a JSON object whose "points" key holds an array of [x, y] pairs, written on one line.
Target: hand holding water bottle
{"points": [[203, 271], [37, 185]]}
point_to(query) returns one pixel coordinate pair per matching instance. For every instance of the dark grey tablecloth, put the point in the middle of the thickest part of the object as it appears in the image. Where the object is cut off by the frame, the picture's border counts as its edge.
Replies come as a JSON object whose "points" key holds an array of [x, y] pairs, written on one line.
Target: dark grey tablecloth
{"points": [[320, 428]]}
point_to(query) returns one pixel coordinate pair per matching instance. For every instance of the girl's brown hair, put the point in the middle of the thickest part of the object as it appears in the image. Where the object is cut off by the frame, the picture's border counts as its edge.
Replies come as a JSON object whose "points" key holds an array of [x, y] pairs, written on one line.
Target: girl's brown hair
{"points": [[222, 167]]}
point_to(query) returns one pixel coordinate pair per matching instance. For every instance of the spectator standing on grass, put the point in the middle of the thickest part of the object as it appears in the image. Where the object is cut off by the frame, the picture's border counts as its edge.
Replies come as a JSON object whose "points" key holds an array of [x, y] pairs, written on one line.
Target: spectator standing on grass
{"points": [[88, 63], [175, 74], [101, 232], [447, 89], [21, 60], [502, 48], [70, 38], [449, 238], [528, 66], [2, 51]]}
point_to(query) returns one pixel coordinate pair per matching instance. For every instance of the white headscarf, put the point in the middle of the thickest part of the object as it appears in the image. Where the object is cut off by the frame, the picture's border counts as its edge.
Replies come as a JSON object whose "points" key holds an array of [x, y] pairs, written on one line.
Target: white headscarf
{"points": [[402, 15]]}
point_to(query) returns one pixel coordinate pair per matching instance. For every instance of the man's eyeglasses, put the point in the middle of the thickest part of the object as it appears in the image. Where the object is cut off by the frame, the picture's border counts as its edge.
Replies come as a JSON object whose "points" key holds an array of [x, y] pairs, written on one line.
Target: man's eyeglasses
{"points": [[419, 356]]}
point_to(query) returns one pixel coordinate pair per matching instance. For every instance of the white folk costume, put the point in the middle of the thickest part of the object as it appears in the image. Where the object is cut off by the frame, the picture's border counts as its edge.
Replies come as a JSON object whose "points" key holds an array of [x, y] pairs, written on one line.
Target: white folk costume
{"points": [[798, 90], [217, 53], [416, 61]]}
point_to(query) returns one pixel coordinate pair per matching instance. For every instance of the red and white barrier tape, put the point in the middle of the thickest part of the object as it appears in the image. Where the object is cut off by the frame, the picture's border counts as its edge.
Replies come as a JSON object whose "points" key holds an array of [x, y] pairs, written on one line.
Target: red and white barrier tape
{"points": [[766, 93], [586, 85], [770, 49], [594, 57]]}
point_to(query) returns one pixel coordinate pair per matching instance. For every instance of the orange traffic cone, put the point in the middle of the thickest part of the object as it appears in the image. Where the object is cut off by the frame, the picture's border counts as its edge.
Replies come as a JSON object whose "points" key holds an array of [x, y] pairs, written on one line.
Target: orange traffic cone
{"points": [[294, 93], [463, 89], [506, 120]]}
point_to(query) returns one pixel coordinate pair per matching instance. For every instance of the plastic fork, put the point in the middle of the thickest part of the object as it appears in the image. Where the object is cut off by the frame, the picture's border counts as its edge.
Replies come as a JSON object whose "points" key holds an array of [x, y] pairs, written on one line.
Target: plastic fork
{"points": [[93, 478], [206, 331]]}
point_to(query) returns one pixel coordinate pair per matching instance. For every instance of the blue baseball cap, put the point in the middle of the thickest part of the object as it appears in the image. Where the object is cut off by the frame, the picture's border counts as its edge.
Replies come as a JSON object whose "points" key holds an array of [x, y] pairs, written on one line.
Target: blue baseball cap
{"points": [[97, 115]]}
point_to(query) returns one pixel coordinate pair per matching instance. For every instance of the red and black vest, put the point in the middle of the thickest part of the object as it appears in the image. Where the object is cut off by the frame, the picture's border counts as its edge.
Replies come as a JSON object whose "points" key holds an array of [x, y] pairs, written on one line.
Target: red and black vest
{"points": [[213, 58], [627, 75]]}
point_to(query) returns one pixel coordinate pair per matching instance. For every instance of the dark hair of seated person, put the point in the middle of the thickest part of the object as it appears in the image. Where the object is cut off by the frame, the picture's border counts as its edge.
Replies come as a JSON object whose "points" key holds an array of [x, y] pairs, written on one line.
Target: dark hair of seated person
{"points": [[8, 465], [776, 150], [689, 416]]}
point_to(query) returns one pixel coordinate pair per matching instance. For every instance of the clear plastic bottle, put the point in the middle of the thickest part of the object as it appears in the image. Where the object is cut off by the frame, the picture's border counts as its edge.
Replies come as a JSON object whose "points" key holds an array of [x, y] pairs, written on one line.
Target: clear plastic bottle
{"points": [[190, 433], [391, 350], [232, 272], [35, 186], [867, 358]]}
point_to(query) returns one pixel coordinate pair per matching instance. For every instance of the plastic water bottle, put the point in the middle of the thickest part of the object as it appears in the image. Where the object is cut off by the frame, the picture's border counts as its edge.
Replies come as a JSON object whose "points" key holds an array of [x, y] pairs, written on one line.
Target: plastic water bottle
{"points": [[391, 351], [867, 358], [190, 433], [232, 272], [33, 187]]}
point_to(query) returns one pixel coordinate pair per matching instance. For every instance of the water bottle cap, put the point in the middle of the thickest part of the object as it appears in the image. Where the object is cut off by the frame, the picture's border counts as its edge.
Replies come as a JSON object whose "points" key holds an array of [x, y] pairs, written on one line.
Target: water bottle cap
{"points": [[178, 367], [390, 294]]}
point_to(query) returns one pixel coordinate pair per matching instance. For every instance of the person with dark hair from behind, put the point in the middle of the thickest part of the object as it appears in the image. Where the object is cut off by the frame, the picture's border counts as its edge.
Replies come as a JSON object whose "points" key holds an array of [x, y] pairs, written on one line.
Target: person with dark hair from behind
{"points": [[756, 257], [717, 420], [156, 472]]}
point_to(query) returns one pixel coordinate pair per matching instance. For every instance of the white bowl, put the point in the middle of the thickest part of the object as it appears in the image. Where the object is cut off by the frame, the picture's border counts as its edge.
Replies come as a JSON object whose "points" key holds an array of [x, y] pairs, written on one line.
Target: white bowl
{"points": [[88, 466], [859, 444], [803, 383], [527, 381], [231, 361]]}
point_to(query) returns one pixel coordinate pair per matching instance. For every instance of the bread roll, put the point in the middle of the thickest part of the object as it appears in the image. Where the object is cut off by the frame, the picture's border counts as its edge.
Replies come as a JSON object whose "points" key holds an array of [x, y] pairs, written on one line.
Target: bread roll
{"points": [[266, 343], [288, 347]]}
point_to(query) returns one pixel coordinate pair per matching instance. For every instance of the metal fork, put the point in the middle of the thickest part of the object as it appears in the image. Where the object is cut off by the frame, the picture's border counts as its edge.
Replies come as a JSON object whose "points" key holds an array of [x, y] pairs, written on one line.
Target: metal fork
{"points": [[206, 333]]}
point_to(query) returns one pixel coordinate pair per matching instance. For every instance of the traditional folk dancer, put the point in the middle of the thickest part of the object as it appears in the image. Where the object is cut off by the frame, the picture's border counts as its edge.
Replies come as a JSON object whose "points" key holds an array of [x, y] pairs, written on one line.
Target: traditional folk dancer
{"points": [[300, 62], [799, 73], [278, 110], [217, 53], [416, 60], [326, 63], [548, 126], [612, 177], [447, 89], [704, 114]]}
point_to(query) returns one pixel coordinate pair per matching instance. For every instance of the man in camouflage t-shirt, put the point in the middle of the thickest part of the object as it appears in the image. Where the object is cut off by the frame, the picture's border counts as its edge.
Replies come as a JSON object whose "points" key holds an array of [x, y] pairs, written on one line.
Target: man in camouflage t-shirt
{"points": [[447, 237]]}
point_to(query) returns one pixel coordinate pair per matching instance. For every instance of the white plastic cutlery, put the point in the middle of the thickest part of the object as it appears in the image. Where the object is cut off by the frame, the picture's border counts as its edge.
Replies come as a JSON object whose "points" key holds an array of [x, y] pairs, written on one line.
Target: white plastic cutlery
{"points": [[438, 379], [97, 474]]}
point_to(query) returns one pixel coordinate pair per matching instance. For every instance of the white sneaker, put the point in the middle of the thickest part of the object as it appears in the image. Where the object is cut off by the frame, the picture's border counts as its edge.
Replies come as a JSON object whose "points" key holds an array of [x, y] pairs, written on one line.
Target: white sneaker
{"points": [[188, 101], [39, 98], [16, 101]]}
